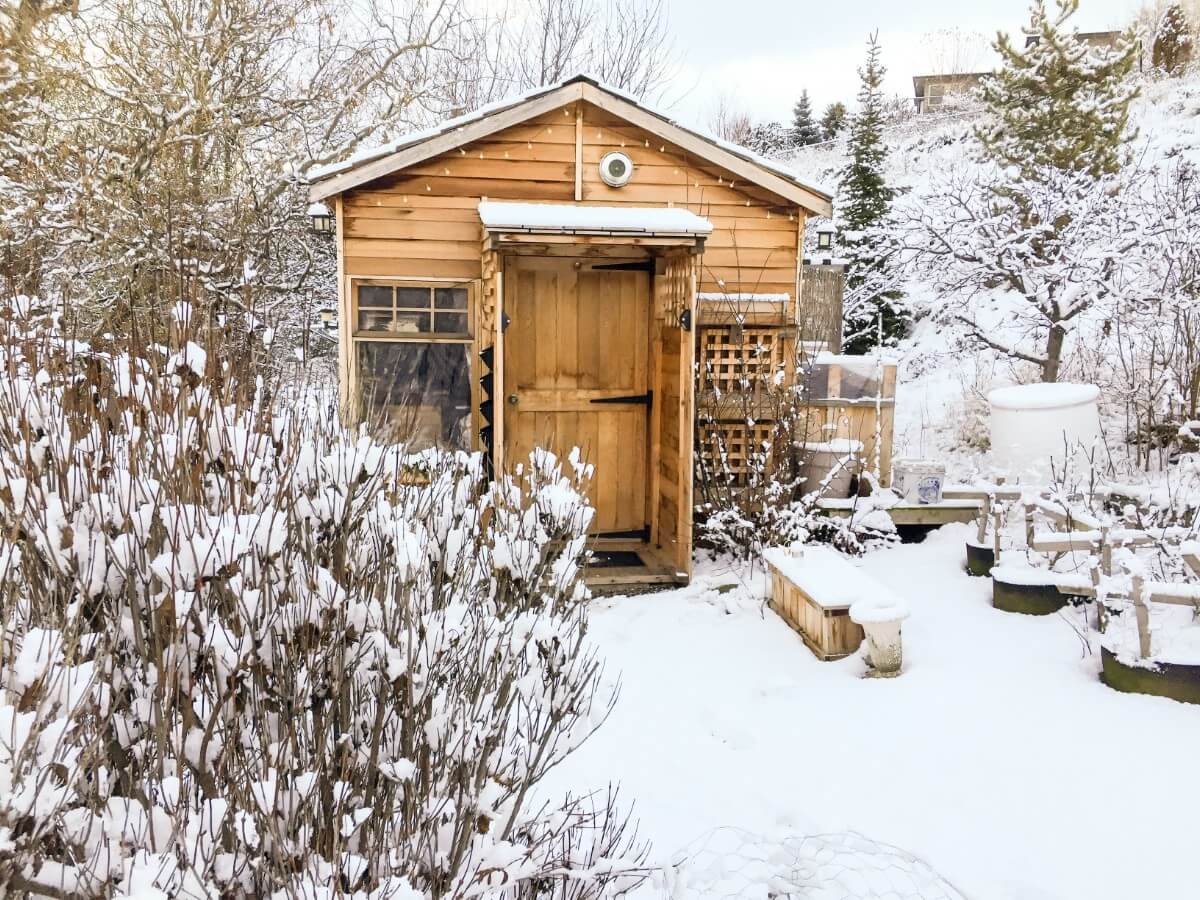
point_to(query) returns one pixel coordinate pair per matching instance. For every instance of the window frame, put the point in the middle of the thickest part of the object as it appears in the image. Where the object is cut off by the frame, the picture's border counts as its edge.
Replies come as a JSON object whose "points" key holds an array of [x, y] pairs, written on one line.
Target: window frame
{"points": [[358, 336], [432, 284]]}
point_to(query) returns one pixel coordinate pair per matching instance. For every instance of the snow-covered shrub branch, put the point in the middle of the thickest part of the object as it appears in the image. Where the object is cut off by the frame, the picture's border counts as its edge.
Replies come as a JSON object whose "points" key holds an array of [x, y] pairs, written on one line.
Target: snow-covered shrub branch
{"points": [[1021, 260], [1151, 336], [246, 652], [754, 486]]}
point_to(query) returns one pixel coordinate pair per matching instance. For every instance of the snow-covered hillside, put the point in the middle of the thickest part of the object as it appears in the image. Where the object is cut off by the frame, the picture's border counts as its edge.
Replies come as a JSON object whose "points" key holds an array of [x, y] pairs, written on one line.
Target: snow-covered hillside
{"points": [[944, 375]]}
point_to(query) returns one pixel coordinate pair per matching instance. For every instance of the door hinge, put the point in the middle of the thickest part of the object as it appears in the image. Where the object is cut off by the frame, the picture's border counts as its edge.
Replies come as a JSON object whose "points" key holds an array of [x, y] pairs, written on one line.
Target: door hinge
{"points": [[645, 265], [645, 399]]}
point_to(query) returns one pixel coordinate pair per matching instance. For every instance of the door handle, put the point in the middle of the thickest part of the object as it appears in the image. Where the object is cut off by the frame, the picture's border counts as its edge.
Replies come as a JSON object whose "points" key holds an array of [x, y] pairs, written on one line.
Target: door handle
{"points": [[512, 399]]}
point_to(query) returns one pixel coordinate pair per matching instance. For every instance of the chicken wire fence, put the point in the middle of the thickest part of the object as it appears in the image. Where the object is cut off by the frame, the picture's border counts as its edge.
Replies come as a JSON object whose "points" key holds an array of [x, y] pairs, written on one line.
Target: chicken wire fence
{"points": [[732, 864]]}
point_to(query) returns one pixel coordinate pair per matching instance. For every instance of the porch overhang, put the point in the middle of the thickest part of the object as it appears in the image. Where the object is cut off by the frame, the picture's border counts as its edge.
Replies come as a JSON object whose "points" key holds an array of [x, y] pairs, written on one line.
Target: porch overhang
{"points": [[516, 224]]}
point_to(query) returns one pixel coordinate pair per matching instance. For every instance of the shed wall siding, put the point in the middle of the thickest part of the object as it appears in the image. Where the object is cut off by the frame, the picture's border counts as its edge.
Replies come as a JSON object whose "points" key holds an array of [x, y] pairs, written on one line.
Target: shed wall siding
{"points": [[425, 223]]}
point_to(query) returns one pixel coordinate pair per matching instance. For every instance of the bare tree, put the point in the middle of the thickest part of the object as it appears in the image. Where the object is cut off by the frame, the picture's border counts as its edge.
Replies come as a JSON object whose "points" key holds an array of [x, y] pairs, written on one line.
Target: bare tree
{"points": [[952, 51], [729, 120], [634, 50], [169, 139], [625, 43]]}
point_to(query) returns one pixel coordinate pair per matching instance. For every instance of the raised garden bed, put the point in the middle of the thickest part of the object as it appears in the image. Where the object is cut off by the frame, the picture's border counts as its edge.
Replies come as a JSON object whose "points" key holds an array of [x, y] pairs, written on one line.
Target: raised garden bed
{"points": [[1161, 679], [1032, 592], [980, 560]]}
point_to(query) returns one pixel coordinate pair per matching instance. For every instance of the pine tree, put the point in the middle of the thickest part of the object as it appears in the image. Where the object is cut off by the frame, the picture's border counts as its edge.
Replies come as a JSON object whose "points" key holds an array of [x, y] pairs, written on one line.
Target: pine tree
{"points": [[1057, 102], [804, 129], [864, 207], [833, 120], [1173, 42]]}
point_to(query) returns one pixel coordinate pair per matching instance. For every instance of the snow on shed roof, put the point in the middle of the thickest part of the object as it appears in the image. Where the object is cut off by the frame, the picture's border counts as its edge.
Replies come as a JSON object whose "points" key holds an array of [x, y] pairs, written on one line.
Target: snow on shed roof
{"points": [[411, 138], [543, 217], [373, 162]]}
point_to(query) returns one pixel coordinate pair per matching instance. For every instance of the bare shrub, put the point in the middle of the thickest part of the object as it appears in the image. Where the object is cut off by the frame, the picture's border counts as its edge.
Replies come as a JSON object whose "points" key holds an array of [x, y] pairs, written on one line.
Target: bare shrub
{"points": [[246, 652]]}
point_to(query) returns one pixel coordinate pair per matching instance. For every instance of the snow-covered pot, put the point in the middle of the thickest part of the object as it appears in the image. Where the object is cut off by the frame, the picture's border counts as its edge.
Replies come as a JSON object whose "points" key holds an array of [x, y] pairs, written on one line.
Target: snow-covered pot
{"points": [[1179, 681], [1022, 589], [880, 618], [918, 480], [840, 456], [1032, 424], [980, 559]]}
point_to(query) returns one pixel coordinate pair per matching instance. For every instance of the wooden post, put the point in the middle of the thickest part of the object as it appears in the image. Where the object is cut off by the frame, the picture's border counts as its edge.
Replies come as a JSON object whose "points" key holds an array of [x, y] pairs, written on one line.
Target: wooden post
{"points": [[1101, 606], [498, 395], [347, 365], [1142, 612], [1106, 571], [996, 537], [578, 152], [1028, 525], [985, 513]]}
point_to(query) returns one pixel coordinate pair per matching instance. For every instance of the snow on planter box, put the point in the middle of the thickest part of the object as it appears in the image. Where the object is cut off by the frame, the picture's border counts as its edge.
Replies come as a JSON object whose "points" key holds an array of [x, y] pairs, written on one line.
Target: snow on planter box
{"points": [[812, 589], [1033, 591], [1173, 667]]}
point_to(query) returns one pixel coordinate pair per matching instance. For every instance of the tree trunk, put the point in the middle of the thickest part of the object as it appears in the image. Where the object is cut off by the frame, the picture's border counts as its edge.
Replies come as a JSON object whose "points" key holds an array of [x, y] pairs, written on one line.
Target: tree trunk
{"points": [[1054, 349]]}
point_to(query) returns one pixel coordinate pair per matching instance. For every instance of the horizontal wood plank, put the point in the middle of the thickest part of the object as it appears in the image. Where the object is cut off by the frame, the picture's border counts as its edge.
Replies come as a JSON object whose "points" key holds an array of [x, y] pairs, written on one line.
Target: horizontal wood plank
{"points": [[381, 267]]}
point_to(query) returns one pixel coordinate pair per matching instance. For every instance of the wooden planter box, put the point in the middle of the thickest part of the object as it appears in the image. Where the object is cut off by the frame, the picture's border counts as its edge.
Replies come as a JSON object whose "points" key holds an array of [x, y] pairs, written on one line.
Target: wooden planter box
{"points": [[1174, 680], [825, 626]]}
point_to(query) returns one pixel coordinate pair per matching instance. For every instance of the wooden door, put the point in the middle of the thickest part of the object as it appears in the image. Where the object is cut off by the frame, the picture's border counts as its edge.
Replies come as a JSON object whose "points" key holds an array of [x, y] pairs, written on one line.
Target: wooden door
{"points": [[576, 375]]}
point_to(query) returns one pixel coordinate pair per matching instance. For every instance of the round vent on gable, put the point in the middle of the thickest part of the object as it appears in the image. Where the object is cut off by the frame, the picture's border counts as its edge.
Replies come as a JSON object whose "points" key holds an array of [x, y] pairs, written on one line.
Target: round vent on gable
{"points": [[616, 168]]}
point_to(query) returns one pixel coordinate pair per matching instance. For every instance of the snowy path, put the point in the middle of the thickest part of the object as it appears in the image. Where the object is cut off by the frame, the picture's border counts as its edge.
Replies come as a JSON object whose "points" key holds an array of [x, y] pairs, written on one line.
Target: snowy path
{"points": [[998, 756]]}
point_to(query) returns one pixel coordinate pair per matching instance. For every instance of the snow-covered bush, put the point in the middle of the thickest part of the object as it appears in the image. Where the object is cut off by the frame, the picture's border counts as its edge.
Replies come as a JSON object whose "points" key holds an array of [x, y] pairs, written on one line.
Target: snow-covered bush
{"points": [[762, 495], [246, 652], [1020, 275]]}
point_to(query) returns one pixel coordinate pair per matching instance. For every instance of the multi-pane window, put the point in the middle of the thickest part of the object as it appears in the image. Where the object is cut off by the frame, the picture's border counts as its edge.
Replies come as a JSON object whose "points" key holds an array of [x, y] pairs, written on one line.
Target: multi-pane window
{"points": [[407, 309], [412, 350]]}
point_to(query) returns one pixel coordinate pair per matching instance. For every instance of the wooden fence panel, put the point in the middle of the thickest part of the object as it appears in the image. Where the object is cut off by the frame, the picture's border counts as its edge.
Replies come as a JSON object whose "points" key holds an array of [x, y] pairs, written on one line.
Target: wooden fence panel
{"points": [[821, 292]]}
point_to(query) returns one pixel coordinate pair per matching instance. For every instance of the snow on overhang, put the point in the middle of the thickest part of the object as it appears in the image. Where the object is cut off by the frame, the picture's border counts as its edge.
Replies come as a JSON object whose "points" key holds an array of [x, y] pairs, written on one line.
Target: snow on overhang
{"points": [[563, 218]]}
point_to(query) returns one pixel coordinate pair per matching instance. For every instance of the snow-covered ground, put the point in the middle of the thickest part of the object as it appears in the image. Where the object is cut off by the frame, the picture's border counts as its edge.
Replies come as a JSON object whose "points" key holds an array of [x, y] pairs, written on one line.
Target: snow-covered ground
{"points": [[997, 757]]}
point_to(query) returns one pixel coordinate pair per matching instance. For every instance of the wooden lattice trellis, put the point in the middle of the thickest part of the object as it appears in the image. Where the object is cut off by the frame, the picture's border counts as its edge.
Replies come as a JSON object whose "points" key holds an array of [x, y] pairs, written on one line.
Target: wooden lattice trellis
{"points": [[735, 364], [728, 447], [736, 359]]}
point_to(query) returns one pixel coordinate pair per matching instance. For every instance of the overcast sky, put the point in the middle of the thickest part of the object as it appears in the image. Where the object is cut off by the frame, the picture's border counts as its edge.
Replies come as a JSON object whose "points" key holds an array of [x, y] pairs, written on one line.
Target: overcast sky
{"points": [[762, 52]]}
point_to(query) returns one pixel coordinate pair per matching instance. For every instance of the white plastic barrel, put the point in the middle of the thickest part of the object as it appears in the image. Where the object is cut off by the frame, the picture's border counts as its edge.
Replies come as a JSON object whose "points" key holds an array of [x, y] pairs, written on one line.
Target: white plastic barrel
{"points": [[841, 456], [1035, 426]]}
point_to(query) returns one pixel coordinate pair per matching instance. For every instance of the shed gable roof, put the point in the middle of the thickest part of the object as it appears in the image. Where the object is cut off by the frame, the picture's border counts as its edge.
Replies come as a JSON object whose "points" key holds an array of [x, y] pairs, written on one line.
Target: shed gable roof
{"points": [[378, 162]]}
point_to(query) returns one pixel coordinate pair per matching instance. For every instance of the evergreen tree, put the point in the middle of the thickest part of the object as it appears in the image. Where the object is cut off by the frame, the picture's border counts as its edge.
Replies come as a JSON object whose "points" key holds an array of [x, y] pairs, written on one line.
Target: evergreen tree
{"points": [[833, 120], [1057, 102], [864, 210], [804, 129], [1173, 42]]}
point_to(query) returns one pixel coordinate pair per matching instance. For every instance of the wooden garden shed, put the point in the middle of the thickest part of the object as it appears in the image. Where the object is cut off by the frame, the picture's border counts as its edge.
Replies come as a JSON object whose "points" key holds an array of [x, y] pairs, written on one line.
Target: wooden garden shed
{"points": [[535, 274]]}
